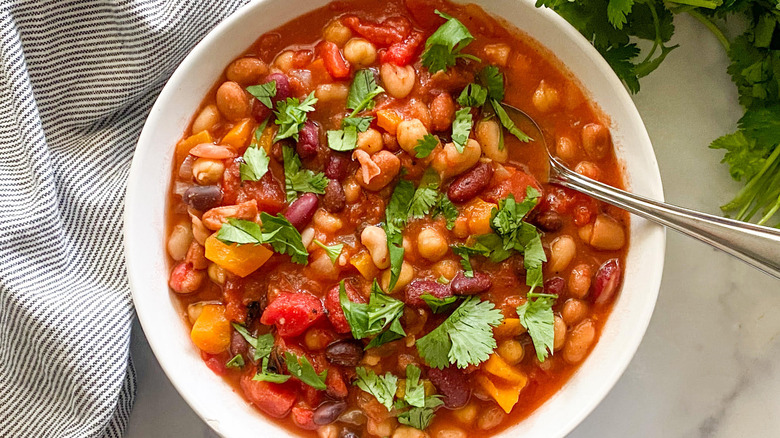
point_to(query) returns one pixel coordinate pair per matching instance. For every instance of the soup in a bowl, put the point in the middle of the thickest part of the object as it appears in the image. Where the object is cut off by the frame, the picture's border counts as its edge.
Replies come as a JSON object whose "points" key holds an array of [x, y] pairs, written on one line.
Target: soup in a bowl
{"points": [[361, 233]]}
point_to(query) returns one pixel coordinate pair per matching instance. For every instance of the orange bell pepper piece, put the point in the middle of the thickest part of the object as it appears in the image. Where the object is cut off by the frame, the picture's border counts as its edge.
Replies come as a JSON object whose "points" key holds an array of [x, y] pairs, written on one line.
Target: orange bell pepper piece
{"points": [[388, 120], [184, 146], [241, 260], [239, 135], [505, 395], [211, 331]]}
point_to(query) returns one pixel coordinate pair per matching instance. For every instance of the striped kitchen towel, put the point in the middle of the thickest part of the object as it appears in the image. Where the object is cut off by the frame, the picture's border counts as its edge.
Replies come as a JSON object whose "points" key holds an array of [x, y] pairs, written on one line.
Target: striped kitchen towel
{"points": [[79, 78]]}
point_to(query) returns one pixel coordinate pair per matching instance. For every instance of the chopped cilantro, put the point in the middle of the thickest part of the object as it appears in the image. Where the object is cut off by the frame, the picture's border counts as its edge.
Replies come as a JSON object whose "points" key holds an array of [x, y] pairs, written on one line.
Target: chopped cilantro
{"points": [[419, 417], [291, 115], [380, 316], [300, 368], [236, 362], [473, 95], [415, 391], [363, 91], [345, 139], [493, 81], [264, 375], [426, 145], [286, 239], [299, 180], [423, 200], [241, 232], [507, 122], [461, 128], [439, 305], [446, 208], [332, 251], [445, 46], [464, 338], [261, 344], [383, 388], [264, 93], [537, 317], [255, 164]]}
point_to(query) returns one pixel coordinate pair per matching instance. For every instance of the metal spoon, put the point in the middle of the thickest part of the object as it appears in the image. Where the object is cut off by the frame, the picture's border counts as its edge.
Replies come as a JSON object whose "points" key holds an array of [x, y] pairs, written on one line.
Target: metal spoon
{"points": [[756, 245]]}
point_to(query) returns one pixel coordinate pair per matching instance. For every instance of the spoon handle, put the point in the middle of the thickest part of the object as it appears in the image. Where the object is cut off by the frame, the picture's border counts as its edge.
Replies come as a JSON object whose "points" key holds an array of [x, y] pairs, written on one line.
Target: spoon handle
{"points": [[754, 244]]}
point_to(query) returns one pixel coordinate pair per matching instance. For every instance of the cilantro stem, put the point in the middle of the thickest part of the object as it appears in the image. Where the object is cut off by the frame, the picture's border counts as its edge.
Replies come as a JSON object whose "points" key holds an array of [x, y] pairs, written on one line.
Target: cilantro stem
{"points": [[748, 193], [770, 213], [657, 25], [709, 24]]}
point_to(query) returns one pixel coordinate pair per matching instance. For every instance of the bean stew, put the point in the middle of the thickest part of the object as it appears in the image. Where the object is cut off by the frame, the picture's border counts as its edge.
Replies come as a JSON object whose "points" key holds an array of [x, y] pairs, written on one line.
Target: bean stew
{"points": [[362, 240]]}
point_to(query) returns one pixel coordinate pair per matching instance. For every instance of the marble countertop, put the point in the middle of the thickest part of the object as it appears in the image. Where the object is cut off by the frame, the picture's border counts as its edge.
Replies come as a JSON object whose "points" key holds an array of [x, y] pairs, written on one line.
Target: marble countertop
{"points": [[709, 365]]}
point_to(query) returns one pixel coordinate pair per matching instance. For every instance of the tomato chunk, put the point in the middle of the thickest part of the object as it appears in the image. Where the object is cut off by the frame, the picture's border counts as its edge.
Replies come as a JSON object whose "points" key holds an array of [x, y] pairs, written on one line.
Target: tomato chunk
{"points": [[303, 417], [516, 185], [392, 30], [275, 399], [335, 63], [333, 306], [267, 192], [403, 53], [293, 313], [424, 12]]}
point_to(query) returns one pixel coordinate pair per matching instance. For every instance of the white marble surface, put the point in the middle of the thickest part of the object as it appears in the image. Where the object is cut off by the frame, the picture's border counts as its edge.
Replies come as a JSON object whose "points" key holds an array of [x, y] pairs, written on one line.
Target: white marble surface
{"points": [[709, 365]]}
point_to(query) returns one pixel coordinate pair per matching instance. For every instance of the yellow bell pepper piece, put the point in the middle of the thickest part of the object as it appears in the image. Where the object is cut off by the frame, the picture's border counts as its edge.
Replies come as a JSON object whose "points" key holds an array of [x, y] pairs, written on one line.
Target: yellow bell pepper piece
{"points": [[365, 265], [239, 135], [499, 368], [211, 331], [241, 260], [184, 146], [509, 328], [505, 395]]}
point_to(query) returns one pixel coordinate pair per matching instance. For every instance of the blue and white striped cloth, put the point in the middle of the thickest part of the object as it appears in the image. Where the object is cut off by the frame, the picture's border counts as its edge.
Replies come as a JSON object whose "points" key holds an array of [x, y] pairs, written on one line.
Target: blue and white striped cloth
{"points": [[78, 79]]}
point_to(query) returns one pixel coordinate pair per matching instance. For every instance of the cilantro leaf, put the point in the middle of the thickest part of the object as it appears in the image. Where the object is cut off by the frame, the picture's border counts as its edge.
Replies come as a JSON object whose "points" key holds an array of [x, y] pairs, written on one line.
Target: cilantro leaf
{"points": [[473, 95], [254, 165], [360, 123], [236, 362], [461, 128], [444, 47], [362, 91], [286, 238], [356, 314], [420, 417], [264, 93], [301, 180], [380, 316], [300, 368], [396, 215], [439, 305], [510, 214], [464, 338], [423, 200], [465, 262], [383, 388], [743, 155], [333, 251], [537, 317], [617, 10], [446, 208], [264, 375], [241, 232], [415, 391], [261, 344], [507, 122], [343, 139], [291, 115], [493, 81], [426, 145]]}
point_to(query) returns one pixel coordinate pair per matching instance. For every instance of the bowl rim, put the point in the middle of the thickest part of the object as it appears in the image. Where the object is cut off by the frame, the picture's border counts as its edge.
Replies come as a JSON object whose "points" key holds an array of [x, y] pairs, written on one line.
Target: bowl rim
{"points": [[134, 196]]}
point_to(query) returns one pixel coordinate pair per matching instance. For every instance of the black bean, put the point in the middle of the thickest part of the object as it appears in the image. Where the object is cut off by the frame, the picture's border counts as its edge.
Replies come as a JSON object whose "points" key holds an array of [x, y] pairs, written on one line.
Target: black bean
{"points": [[453, 385], [328, 412], [346, 353], [203, 198], [238, 344]]}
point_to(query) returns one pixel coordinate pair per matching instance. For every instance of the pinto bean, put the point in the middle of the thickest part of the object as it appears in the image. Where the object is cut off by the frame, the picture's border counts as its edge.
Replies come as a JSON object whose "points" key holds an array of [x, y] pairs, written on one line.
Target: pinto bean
{"points": [[417, 288], [202, 198], [301, 211], [442, 112], [336, 167], [453, 385], [328, 412], [471, 183], [334, 200], [595, 140], [232, 101], [578, 341], [606, 281], [196, 256], [345, 353], [308, 140], [548, 221], [462, 285], [388, 165], [246, 71]]}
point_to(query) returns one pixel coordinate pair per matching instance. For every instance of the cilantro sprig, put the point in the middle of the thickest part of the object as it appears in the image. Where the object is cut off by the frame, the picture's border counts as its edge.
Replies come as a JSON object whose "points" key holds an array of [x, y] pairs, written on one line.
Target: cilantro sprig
{"points": [[300, 180], [445, 46], [300, 368], [383, 388], [291, 114], [361, 96], [380, 317], [537, 317], [277, 231]]}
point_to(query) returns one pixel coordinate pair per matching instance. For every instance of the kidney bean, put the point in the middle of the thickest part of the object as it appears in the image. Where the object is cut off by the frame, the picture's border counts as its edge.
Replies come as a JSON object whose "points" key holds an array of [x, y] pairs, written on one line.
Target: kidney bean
{"points": [[301, 211], [554, 285], [549, 221], [260, 112], [471, 183], [345, 353], [308, 140], [462, 285], [606, 281], [238, 344], [416, 289], [336, 167], [202, 198], [283, 89], [334, 199], [328, 412], [453, 385]]}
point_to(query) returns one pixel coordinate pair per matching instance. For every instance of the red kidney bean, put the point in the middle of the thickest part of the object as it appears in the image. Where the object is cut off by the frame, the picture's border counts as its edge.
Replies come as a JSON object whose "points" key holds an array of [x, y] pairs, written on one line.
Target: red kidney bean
{"points": [[453, 385], [606, 282], [548, 221], [203, 198], [462, 285], [238, 344], [417, 288], [328, 412], [345, 353], [283, 90], [336, 167], [301, 211], [260, 112], [308, 140], [471, 183], [554, 285], [334, 200]]}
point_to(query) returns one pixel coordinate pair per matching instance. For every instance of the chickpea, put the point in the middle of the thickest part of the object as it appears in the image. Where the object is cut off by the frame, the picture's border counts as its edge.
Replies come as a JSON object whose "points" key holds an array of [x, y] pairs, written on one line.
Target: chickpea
{"points": [[398, 81], [409, 432], [408, 246], [246, 71], [511, 350], [337, 33], [562, 251], [233, 102], [449, 162], [405, 277], [446, 268], [589, 169], [579, 341], [284, 61], [179, 241], [607, 234], [488, 135], [359, 52], [329, 431], [546, 97], [326, 222], [442, 112], [574, 311], [559, 328], [217, 273], [565, 148], [199, 231], [467, 414], [595, 140], [331, 92], [352, 190], [387, 164], [451, 432], [497, 54], [370, 141], [381, 428], [207, 171], [579, 280], [408, 133], [491, 418], [375, 239], [206, 119], [431, 244]]}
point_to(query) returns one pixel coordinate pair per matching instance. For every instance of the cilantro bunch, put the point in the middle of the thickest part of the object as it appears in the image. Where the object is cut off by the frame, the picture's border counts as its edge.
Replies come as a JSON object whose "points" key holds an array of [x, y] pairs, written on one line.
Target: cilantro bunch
{"points": [[615, 26]]}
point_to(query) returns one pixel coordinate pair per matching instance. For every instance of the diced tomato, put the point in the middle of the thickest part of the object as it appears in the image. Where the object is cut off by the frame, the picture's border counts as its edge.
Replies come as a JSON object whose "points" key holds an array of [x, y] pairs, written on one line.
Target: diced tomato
{"points": [[584, 211], [403, 53], [311, 396], [333, 306], [267, 192], [292, 313], [335, 63], [214, 362], [231, 180], [515, 185], [233, 298], [393, 30], [337, 387], [275, 399], [303, 417], [423, 11]]}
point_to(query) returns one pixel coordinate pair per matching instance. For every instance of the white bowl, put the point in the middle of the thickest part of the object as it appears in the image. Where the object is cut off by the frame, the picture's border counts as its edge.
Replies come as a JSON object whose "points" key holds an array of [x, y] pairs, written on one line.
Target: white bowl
{"points": [[225, 411]]}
